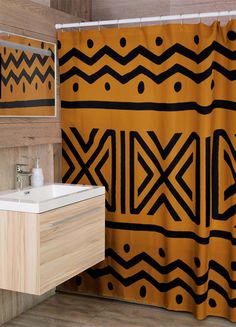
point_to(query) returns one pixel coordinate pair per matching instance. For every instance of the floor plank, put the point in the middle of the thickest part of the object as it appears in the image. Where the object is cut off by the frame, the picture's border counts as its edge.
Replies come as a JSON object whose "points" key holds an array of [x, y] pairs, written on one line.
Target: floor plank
{"points": [[68, 310]]}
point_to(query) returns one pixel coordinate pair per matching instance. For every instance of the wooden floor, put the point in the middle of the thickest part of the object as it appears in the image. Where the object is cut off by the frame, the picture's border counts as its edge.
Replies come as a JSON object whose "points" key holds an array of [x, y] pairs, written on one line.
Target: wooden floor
{"points": [[63, 310]]}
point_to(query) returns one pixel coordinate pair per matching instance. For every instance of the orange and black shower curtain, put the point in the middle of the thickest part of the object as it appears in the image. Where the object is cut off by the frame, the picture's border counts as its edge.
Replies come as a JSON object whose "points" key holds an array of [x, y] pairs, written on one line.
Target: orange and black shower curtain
{"points": [[150, 113]]}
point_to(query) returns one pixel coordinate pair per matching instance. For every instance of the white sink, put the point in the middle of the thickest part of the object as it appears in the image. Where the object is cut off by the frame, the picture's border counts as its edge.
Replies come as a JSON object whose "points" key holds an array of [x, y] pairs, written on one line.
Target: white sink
{"points": [[47, 197]]}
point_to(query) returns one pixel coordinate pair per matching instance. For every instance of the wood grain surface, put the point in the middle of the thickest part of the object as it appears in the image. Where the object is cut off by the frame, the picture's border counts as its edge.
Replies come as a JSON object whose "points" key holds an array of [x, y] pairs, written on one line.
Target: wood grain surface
{"points": [[40, 251], [82, 311]]}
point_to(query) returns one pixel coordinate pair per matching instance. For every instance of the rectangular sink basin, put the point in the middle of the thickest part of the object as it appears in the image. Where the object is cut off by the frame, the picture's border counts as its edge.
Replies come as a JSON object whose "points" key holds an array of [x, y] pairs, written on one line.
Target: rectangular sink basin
{"points": [[47, 197]]}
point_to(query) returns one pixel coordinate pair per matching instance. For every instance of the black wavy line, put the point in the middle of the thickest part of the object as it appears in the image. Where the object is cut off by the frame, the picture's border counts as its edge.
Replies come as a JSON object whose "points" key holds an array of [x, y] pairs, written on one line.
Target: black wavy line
{"points": [[11, 59], [154, 106], [140, 50], [164, 270], [158, 79], [163, 287], [29, 78], [172, 234]]}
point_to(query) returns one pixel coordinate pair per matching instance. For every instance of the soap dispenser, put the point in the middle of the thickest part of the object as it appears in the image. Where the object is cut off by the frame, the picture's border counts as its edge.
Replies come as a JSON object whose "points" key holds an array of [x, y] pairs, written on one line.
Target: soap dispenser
{"points": [[37, 175]]}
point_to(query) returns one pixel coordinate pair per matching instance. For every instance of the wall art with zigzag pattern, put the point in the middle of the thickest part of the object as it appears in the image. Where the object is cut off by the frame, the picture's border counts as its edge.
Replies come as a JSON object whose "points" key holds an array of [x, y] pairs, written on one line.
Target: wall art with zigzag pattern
{"points": [[27, 79], [150, 114]]}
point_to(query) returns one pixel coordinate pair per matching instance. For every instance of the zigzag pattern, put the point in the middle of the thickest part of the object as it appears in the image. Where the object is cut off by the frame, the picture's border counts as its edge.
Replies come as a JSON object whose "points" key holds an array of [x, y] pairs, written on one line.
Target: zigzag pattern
{"points": [[158, 79], [28, 77], [163, 287], [24, 59], [177, 264], [173, 168], [141, 50]]}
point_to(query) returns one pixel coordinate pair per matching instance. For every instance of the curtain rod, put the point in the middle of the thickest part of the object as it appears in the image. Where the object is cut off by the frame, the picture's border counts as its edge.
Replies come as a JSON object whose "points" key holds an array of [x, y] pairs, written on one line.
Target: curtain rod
{"points": [[23, 47], [148, 19]]}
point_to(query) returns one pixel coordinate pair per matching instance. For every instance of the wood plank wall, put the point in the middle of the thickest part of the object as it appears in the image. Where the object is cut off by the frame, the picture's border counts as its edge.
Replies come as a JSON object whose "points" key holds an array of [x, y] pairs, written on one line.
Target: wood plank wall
{"points": [[110, 9], [22, 139], [80, 8]]}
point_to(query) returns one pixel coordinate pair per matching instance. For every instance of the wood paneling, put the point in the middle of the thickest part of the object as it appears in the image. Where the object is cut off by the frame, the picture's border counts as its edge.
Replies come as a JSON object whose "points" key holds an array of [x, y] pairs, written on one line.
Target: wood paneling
{"points": [[27, 137], [82, 311], [40, 251], [10, 156], [43, 2], [196, 6], [31, 19], [37, 133], [80, 8], [109, 9]]}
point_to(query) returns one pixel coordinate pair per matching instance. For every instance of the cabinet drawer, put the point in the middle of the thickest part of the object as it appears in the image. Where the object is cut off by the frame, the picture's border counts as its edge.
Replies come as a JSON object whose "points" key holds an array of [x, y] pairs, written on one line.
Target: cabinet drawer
{"points": [[41, 251], [71, 241]]}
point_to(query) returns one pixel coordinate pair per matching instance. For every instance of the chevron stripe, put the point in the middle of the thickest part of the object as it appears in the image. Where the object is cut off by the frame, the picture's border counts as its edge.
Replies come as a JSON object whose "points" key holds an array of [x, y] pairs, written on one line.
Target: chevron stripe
{"points": [[36, 72], [158, 79], [140, 50], [12, 60], [163, 287], [178, 264]]}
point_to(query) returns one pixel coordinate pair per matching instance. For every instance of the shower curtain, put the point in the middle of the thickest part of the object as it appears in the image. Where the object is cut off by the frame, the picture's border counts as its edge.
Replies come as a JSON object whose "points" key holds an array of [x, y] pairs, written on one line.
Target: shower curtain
{"points": [[150, 113]]}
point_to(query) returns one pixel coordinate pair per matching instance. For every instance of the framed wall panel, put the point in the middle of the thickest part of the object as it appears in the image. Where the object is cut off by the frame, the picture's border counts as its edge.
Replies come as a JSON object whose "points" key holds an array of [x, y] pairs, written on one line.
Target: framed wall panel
{"points": [[27, 77]]}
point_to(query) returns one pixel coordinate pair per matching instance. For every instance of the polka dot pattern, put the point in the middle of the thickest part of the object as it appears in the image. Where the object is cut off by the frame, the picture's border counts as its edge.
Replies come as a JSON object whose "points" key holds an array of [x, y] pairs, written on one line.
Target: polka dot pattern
{"points": [[75, 87], [197, 262], [143, 291], [126, 248], [159, 41], [179, 299], [141, 87], [90, 43], [177, 86], [162, 253], [231, 35], [123, 42], [212, 303], [107, 86], [196, 39]]}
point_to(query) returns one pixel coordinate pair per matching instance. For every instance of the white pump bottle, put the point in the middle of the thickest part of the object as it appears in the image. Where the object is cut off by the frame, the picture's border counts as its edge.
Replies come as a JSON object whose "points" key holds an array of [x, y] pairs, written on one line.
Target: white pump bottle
{"points": [[37, 175]]}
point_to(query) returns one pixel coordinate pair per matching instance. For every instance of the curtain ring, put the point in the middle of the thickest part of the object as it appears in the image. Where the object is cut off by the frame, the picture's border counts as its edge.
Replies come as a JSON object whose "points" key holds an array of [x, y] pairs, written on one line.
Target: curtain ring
{"points": [[218, 16], [79, 27], [118, 24], [99, 26], [229, 15], [140, 22], [200, 18], [181, 18], [161, 22]]}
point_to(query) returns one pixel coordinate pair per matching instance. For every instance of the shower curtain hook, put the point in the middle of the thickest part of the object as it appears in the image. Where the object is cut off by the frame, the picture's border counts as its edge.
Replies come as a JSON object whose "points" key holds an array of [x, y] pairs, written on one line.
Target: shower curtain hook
{"points": [[181, 18], [99, 26], [118, 23], [229, 15], [200, 18], [161, 22], [79, 27], [218, 16], [140, 22]]}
